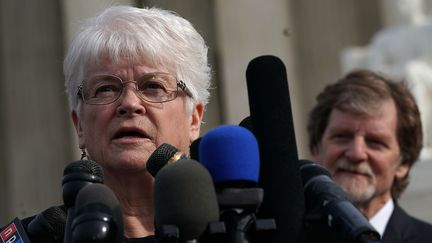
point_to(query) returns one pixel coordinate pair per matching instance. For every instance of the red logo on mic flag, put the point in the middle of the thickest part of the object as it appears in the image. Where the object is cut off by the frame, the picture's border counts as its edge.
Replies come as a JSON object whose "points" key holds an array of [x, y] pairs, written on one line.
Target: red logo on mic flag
{"points": [[8, 232], [11, 234]]}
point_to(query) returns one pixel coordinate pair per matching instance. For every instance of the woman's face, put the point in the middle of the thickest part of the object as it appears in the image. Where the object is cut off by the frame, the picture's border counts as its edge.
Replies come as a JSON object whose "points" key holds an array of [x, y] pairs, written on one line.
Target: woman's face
{"points": [[122, 135]]}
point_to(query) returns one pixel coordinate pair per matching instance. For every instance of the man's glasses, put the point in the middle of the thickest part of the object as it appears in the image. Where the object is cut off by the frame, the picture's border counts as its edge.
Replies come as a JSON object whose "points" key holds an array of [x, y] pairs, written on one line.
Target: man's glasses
{"points": [[151, 87]]}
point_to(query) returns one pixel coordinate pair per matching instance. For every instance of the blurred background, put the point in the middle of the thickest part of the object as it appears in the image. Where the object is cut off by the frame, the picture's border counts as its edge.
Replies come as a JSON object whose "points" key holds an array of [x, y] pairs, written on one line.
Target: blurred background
{"points": [[318, 41]]}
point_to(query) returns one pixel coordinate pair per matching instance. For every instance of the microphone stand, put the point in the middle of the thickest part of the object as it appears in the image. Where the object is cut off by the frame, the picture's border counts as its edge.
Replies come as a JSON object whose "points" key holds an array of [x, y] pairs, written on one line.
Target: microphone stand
{"points": [[167, 233], [238, 223], [238, 212], [170, 233]]}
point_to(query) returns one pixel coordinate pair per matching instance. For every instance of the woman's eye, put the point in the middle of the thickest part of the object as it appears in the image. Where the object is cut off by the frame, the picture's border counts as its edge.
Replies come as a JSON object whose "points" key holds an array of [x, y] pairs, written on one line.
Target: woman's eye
{"points": [[105, 88], [152, 85]]}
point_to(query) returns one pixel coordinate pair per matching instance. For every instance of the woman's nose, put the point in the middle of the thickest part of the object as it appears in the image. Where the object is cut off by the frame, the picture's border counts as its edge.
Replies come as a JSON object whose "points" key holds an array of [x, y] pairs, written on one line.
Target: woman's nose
{"points": [[130, 102]]}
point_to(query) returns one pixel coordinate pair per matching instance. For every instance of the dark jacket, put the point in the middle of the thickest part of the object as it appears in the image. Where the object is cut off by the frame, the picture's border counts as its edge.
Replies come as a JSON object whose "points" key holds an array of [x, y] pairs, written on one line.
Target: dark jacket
{"points": [[403, 228]]}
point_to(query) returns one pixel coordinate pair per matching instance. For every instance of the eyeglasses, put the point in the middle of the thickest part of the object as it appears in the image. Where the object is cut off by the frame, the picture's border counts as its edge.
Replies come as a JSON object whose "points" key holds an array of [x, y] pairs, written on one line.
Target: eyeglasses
{"points": [[151, 87]]}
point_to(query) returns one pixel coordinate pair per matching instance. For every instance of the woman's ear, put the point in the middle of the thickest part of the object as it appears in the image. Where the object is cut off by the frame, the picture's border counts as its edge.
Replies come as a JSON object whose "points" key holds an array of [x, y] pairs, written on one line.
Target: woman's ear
{"points": [[78, 128], [196, 119]]}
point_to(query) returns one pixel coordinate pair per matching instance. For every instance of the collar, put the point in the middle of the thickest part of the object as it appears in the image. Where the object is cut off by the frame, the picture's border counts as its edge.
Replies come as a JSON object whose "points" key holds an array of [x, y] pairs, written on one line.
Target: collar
{"points": [[380, 219]]}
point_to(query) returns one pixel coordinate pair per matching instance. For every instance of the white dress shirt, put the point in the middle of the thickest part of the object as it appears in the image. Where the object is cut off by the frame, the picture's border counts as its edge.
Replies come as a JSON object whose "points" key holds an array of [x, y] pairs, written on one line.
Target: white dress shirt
{"points": [[380, 219]]}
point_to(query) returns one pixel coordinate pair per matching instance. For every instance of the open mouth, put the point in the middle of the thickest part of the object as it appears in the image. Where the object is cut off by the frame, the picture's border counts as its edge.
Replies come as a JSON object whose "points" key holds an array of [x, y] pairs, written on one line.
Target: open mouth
{"points": [[130, 133]]}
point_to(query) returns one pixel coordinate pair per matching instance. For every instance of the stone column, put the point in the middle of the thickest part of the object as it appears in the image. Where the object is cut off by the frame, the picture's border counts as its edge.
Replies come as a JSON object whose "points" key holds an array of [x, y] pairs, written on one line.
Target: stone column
{"points": [[34, 134]]}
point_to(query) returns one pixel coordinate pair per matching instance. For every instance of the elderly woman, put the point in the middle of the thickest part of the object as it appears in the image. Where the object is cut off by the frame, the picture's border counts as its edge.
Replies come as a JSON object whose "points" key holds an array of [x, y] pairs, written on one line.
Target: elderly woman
{"points": [[135, 78]]}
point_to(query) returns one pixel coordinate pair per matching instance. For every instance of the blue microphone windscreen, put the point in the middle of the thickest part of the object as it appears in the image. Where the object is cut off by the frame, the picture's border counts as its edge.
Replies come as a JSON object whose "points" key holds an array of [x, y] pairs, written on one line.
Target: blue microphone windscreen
{"points": [[230, 153]]}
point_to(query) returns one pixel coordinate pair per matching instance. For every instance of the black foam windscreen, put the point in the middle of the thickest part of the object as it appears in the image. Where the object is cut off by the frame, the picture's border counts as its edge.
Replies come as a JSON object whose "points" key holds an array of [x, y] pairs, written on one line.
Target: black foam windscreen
{"points": [[56, 217], [194, 149], [98, 216], [270, 110], [48, 226], [93, 194], [76, 175], [84, 166], [184, 196], [164, 154], [247, 123]]}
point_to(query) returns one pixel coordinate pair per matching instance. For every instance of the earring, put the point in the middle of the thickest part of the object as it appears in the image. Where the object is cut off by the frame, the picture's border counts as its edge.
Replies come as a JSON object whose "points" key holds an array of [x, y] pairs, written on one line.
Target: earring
{"points": [[84, 154]]}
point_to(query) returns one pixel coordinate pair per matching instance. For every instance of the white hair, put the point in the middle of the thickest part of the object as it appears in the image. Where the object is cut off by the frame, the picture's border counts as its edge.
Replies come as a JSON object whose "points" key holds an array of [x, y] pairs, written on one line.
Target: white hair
{"points": [[158, 37]]}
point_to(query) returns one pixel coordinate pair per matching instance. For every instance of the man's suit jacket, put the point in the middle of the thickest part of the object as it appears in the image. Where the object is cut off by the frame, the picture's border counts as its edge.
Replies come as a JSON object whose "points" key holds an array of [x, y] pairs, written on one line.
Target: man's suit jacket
{"points": [[403, 228]]}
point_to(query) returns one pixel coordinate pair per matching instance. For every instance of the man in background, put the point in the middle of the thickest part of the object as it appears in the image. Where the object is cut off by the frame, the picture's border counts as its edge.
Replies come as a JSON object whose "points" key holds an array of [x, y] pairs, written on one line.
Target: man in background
{"points": [[366, 130]]}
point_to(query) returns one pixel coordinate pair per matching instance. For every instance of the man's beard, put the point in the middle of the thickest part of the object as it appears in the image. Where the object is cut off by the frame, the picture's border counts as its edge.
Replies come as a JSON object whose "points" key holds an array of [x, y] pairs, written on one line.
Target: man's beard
{"points": [[359, 189]]}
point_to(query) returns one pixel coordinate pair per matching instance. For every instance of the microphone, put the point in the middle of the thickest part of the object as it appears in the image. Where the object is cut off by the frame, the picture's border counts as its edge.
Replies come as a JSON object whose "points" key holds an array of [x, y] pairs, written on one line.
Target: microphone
{"points": [[14, 232], [270, 111], [337, 211], [98, 217], [194, 149], [76, 175], [48, 226], [163, 155], [231, 155], [247, 123], [185, 202]]}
